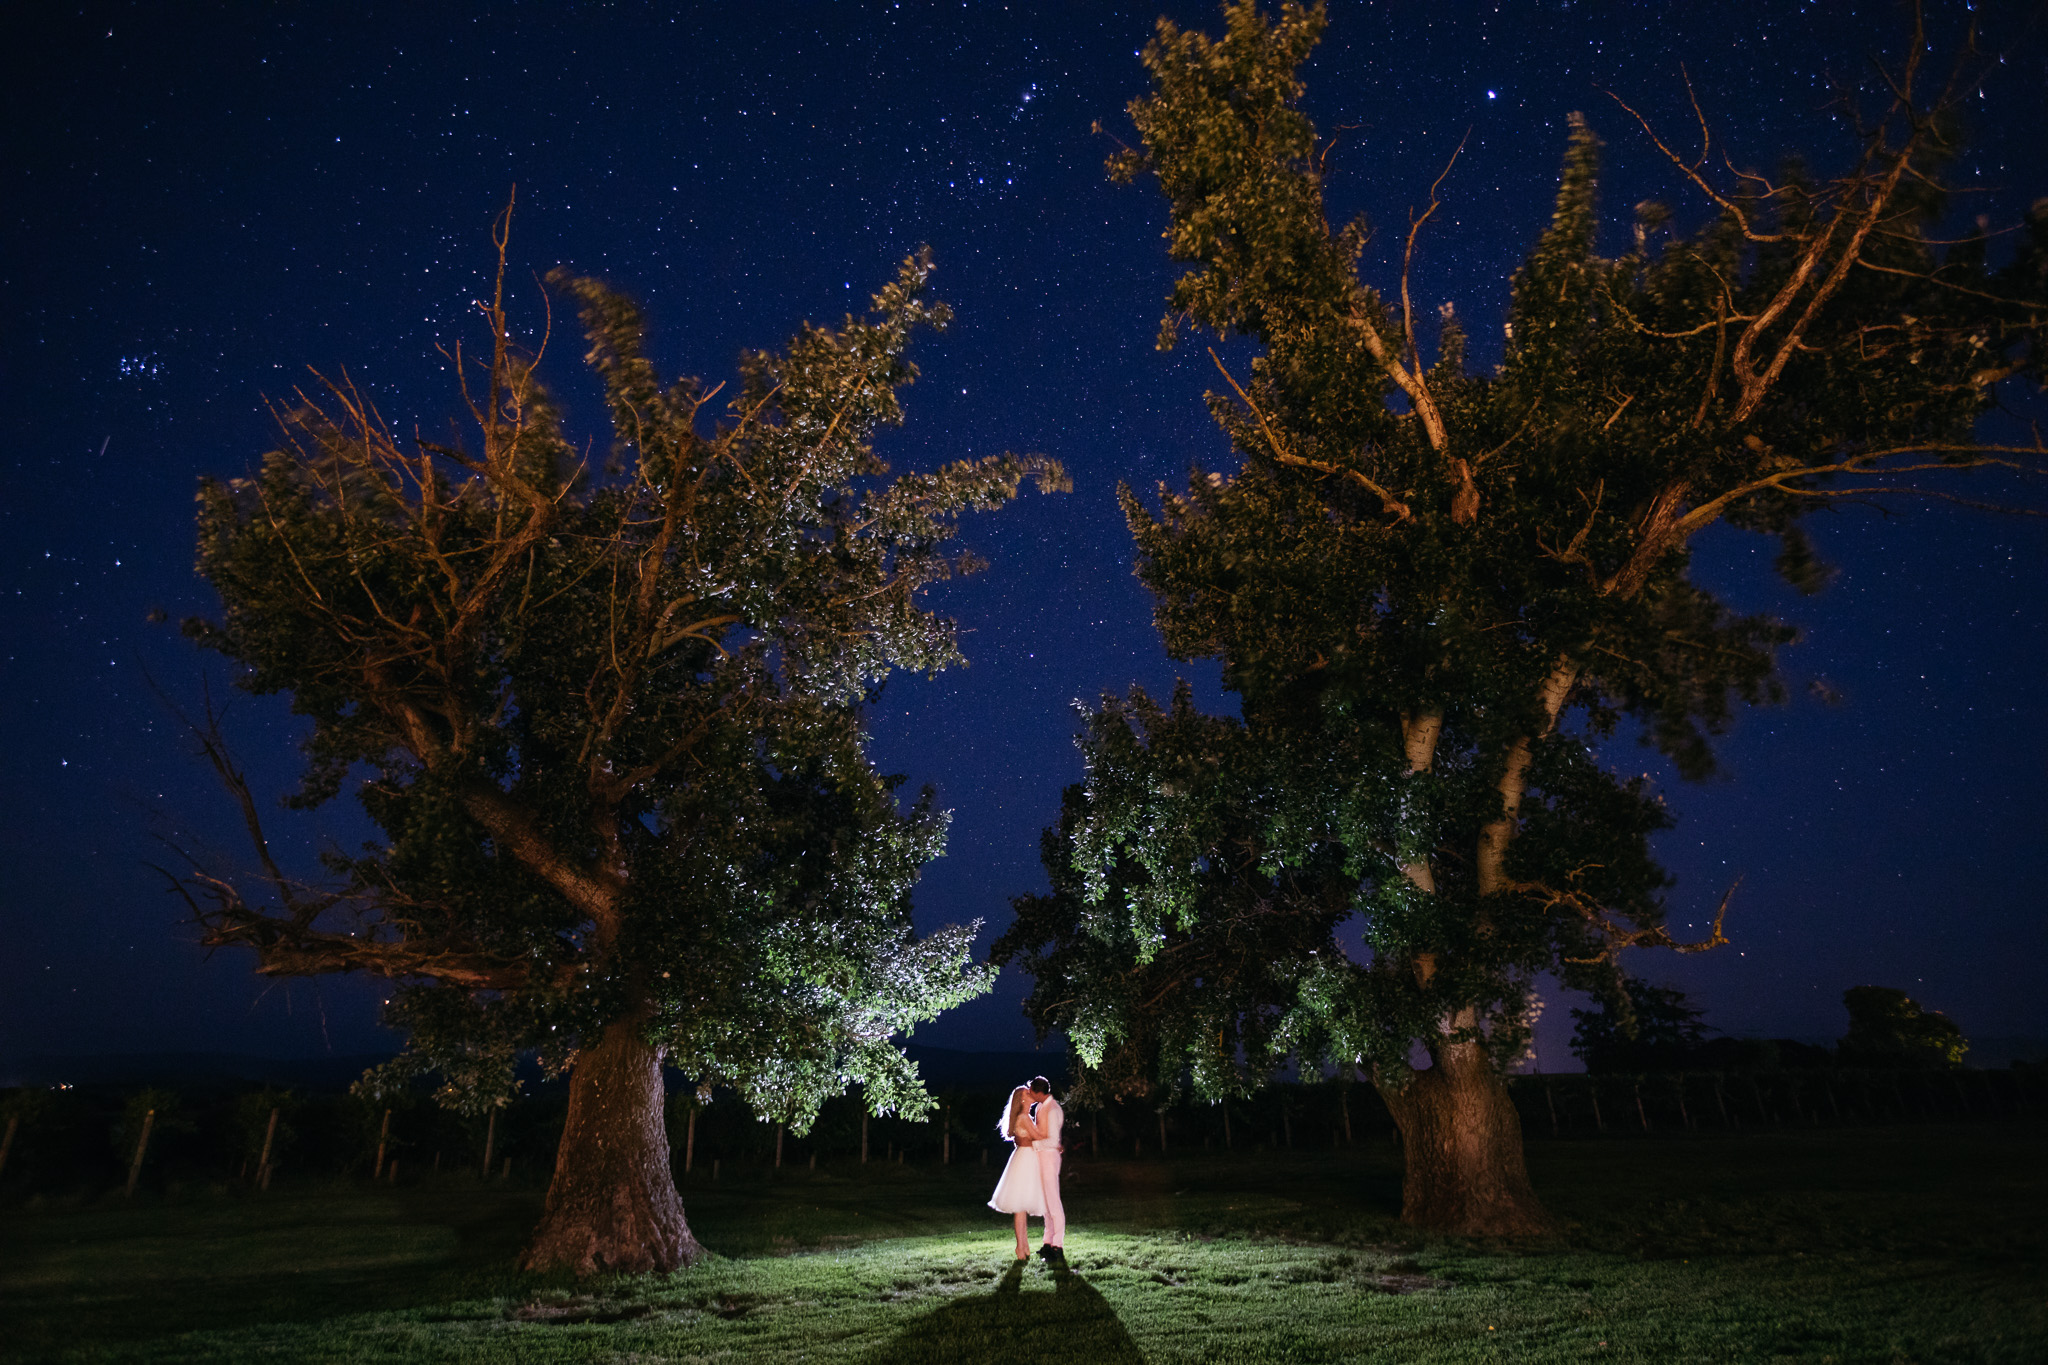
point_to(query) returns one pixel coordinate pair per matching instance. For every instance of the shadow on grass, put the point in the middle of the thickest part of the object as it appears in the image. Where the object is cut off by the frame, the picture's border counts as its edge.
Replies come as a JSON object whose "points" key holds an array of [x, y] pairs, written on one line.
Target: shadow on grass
{"points": [[1072, 1322]]}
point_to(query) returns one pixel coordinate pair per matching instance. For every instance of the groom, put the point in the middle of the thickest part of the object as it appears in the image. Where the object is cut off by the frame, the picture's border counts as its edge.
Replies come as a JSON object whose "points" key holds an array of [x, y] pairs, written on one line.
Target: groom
{"points": [[1047, 1114]]}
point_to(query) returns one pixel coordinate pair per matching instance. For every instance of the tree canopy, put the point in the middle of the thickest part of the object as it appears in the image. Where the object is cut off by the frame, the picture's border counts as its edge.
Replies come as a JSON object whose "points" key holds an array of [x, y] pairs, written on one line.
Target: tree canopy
{"points": [[1888, 1028], [1434, 588], [606, 711], [1642, 1028]]}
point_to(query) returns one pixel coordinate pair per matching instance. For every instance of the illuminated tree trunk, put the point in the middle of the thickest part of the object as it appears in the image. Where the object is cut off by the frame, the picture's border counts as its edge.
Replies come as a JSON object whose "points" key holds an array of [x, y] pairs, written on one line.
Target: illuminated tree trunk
{"points": [[1465, 1170], [1463, 1142], [612, 1205]]}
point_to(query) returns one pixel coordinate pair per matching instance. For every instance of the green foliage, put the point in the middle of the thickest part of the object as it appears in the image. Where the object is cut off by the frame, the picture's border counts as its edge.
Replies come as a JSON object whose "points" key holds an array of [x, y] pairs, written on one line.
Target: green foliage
{"points": [[1179, 901], [1641, 1028], [1886, 1028], [1432, 588], [608, 720]]}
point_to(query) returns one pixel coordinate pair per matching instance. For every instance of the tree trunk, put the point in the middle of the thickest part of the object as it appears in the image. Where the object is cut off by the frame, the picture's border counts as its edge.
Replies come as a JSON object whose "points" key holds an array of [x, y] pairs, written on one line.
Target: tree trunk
{"points": [[612, 1205], [1463, 1140], [263, 1162], [142, 1146], [1419, 734]]}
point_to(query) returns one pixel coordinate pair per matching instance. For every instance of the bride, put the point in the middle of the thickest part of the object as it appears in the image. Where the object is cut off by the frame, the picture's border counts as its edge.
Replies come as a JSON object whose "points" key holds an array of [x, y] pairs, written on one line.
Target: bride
{"points": [[1019, 1191]]}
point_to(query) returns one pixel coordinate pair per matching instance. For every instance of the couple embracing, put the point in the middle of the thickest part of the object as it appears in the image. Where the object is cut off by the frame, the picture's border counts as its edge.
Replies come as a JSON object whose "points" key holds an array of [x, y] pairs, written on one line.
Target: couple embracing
{"points": [[1030, 1186]]}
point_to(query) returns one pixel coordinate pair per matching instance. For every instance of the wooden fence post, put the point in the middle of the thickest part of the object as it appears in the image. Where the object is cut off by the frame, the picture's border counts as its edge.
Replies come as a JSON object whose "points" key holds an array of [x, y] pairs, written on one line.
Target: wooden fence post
{"points": [[1344, 1108], [778, 1146], [263, 1162], [7, 1143], [1593, 1089], [690, 1141], [141, 1146], [1162, 1133], [490, 1141], [383, 1137], [1641, 1113], [1551, 1104]]}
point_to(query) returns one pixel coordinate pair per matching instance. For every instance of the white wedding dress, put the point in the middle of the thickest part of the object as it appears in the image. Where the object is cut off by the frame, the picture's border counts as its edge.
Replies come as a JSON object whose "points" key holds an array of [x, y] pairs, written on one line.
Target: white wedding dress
{"points": [[1020, 1190]]}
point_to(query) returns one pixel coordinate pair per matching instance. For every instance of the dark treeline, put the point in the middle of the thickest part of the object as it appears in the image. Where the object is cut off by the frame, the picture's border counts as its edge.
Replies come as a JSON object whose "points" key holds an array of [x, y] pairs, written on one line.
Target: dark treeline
{"points": [[1793, 1095], [79, 1138], [81, 1141]]}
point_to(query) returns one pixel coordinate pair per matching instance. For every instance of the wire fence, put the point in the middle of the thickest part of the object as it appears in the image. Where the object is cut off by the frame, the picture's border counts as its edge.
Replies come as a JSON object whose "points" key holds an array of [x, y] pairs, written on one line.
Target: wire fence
{"points": [[96, 1138]]}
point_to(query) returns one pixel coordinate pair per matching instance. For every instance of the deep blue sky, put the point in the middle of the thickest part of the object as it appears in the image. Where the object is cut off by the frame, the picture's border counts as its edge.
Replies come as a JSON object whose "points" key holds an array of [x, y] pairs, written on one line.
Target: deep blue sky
{"points": [[199, 203]]}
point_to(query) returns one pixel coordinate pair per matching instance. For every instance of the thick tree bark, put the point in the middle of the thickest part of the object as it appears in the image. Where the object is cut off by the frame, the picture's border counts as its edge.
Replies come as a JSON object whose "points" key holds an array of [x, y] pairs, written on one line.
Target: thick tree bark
{"points": [[1419, 734], [1463, 1141], [613, 1205]]}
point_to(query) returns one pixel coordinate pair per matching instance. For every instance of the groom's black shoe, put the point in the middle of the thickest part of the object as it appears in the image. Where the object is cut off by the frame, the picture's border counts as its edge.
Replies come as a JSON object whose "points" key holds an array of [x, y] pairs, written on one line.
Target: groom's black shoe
{"points": [[1052, 1253]]}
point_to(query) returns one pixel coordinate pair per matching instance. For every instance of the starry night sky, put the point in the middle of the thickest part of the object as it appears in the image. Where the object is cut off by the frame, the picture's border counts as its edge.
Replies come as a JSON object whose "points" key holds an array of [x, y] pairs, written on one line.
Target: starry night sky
{"points": [[198, 203]]}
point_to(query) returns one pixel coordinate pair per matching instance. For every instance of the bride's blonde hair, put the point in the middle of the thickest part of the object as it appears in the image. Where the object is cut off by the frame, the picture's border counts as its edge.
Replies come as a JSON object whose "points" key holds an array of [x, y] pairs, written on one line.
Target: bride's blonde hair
{"points": [[1020, 1098]]}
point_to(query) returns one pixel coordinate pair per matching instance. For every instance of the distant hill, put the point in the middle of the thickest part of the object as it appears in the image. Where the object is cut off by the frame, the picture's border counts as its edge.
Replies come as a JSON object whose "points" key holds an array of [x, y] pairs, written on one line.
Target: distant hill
{"points": [[942, 1068], [188, 1069]]}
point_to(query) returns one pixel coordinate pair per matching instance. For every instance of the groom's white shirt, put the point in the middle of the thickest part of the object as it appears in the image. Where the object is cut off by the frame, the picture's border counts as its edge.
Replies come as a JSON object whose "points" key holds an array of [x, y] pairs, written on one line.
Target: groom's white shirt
{"points": [[1050, 1118]]}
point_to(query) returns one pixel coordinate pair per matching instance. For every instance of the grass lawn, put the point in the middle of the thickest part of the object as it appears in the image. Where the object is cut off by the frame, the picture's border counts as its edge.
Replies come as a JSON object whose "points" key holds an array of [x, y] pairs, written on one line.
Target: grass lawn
{"points": [[1900, 1244]]}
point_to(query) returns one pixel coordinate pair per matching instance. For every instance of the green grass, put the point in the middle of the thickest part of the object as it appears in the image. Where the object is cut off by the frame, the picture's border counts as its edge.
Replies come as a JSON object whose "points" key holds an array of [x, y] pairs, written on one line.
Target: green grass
{"points": [[1909, 1244]]}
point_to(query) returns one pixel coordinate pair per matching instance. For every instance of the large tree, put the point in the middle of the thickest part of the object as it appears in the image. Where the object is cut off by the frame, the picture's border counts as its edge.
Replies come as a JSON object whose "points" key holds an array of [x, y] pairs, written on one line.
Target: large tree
{"points": [[1639, 1028], [607, 717], [1432, 589], [1888, 1028]]}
